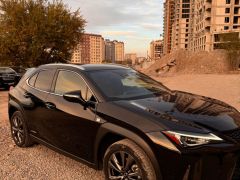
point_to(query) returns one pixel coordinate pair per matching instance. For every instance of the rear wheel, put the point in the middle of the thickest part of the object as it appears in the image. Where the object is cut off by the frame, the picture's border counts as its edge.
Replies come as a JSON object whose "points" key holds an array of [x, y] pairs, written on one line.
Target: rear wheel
{"points": [[125, 160], [19, 130]]}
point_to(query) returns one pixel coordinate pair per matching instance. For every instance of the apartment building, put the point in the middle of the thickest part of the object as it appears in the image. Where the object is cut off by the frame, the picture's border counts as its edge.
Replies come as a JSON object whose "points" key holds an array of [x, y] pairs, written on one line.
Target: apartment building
{"points": [[114, 51], [169, 14], [109, 51], [156, 49], [181, 27], [119, 51], [213, 19], [131, 57], [198, 25], [91, 50]]}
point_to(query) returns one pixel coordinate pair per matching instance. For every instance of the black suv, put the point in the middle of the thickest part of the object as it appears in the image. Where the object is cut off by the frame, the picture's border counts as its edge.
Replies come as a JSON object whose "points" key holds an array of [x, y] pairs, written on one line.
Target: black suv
{"points": [[119, 120], [8, 77]]}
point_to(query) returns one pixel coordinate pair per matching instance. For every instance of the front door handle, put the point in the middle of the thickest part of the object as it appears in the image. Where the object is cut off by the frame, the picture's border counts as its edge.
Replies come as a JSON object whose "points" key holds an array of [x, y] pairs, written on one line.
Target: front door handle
{"points": [[50, 105], [27, 95]]}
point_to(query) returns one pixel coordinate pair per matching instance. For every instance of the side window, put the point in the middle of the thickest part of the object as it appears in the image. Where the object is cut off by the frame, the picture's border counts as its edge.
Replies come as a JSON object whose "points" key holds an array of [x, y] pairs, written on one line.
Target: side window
{"points": [[44, 80], [69, 81], [32, 80]]}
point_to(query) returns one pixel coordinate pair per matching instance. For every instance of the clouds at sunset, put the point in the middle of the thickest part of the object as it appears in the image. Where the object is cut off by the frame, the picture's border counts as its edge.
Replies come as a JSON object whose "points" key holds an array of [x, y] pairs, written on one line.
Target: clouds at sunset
{"points": [[136, 22]]}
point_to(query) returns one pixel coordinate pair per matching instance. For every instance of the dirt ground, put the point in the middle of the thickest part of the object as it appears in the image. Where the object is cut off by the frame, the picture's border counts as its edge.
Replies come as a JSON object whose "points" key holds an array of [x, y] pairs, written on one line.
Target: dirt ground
{"points": [[223, 87], [40, 162]]}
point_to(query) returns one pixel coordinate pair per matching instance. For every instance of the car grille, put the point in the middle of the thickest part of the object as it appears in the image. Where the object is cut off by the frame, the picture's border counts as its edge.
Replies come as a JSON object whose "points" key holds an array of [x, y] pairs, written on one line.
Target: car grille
{"points": [[234, 134], [236, 173], [7, 77]]}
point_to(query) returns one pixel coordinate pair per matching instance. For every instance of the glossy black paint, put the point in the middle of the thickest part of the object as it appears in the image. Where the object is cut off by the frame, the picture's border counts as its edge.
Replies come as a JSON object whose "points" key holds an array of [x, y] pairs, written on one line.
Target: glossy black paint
{"points": [[81, 132]]}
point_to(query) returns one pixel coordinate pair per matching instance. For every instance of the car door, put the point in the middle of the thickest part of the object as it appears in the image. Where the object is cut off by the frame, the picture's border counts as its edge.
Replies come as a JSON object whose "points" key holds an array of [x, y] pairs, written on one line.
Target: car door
{"points": [[34, 94], [70, 126]]}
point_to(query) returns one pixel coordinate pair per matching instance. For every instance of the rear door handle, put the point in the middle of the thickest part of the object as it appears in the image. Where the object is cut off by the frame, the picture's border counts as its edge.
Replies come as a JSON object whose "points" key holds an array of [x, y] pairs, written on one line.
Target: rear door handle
{"points": [[50, 105]]}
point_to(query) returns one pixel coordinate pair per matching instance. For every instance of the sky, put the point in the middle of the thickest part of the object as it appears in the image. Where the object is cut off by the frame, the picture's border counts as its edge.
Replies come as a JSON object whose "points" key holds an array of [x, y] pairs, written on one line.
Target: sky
{"points": [[135, 22]]}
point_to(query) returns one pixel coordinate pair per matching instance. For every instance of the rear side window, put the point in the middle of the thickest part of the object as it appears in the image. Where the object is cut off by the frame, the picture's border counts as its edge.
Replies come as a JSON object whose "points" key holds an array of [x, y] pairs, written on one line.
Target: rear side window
{"points": [[44, 80], [68, 81], [32, 80]]}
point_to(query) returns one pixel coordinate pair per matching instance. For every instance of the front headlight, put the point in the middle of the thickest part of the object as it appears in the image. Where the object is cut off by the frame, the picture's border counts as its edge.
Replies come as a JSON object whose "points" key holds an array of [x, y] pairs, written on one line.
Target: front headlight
{"points": [[187, 139]]}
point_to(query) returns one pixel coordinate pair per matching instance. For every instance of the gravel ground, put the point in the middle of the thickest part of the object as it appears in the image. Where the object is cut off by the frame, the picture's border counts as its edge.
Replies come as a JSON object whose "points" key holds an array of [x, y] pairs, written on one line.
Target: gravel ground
{"points": [[39, 162]]}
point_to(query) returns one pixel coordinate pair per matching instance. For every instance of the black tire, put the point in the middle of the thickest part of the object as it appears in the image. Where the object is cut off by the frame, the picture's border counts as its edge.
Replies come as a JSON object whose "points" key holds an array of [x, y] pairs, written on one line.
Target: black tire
{"points": [[139, 165], [19, 130]]}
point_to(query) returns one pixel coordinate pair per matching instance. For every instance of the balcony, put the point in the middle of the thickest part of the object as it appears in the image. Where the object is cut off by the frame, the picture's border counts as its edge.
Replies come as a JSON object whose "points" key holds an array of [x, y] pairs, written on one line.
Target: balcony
{"points": [[207, 15], [208, 7]]}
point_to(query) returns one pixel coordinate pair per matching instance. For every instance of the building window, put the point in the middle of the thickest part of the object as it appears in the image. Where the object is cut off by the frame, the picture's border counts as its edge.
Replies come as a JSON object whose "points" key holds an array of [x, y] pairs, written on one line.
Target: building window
{"points": [[227, 10], [236, 10], [185, 16], [235, 20], [226, 20], [228, 1], [186, 11], [226, 27], [186, 5]]}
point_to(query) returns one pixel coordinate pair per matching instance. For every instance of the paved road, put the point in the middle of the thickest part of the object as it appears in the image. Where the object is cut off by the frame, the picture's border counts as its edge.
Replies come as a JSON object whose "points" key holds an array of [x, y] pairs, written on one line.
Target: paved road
{"points": [[37, 162]]}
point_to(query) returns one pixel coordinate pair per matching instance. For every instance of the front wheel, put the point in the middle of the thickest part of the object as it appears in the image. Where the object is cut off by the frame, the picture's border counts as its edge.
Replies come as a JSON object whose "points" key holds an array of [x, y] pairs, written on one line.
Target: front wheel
{"points": [[125, 160]]}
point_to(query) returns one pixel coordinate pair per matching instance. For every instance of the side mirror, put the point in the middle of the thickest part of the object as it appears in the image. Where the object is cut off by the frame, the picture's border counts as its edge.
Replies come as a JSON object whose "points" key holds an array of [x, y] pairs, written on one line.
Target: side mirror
{"points": [[75, 97]]}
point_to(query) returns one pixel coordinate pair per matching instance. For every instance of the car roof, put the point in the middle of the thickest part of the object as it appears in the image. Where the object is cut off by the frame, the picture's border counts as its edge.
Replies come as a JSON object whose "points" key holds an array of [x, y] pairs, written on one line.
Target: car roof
{"points": [[86, 67]]}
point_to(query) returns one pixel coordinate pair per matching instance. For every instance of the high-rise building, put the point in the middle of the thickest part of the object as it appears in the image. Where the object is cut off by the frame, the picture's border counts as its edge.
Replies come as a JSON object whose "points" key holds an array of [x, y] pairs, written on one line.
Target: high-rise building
{"points": [[211, 20], [168, 22], [114, 51], [198, 25], [109, 51], [131, 57], [156, 49], [119, 51], [181, 27], [91, 50]]}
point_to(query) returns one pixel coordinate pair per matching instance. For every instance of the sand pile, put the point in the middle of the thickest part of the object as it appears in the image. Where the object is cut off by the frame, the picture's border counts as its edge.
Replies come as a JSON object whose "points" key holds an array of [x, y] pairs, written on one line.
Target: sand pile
{"points": [[191, 62]]}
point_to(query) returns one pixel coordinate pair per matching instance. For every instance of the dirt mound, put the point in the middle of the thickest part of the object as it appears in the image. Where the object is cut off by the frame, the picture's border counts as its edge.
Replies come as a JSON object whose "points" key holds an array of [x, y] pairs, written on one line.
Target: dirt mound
{"points": [[191, 63]]}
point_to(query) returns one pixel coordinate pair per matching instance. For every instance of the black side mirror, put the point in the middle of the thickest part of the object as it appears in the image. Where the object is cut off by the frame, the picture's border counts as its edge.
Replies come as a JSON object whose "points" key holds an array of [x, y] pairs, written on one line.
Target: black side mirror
{"points": [[75, 97]]}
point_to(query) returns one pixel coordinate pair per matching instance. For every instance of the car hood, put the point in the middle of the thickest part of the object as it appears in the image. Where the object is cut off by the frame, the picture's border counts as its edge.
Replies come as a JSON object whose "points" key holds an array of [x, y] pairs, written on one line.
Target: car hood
{"points": [[182, 111]]}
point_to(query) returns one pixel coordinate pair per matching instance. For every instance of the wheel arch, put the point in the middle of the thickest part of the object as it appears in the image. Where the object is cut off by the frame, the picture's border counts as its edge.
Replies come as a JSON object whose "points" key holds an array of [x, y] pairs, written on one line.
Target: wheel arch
{"points": [[110, 133], [13, 107]]}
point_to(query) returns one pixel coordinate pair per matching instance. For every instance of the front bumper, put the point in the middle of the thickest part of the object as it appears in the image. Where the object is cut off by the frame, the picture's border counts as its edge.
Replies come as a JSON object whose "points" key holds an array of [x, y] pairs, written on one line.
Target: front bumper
{"points": [[5, 83], [201, 163]]}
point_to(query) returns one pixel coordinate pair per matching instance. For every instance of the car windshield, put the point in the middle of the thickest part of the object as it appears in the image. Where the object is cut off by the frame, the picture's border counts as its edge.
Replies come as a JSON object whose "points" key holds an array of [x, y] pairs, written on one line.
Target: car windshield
{"points": [[6, 70], [125, 84]]}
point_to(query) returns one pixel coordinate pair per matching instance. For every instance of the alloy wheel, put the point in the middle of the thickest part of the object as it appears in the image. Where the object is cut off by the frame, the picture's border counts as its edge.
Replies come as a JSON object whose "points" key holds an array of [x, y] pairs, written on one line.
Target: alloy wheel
{"points": [[17, 130], [123, 166]]}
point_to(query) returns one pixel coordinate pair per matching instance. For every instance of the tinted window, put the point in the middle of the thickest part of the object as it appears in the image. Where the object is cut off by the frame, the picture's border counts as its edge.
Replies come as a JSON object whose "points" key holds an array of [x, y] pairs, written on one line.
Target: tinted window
{"points": [[32, 80], [44, 80], [6, 70], [125, 84], [68, 81]]}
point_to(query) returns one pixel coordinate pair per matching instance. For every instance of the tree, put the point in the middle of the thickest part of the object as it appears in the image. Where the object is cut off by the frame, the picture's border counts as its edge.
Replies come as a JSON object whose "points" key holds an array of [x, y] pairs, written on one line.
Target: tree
{"points": [[231, 43], [35, 32]]}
